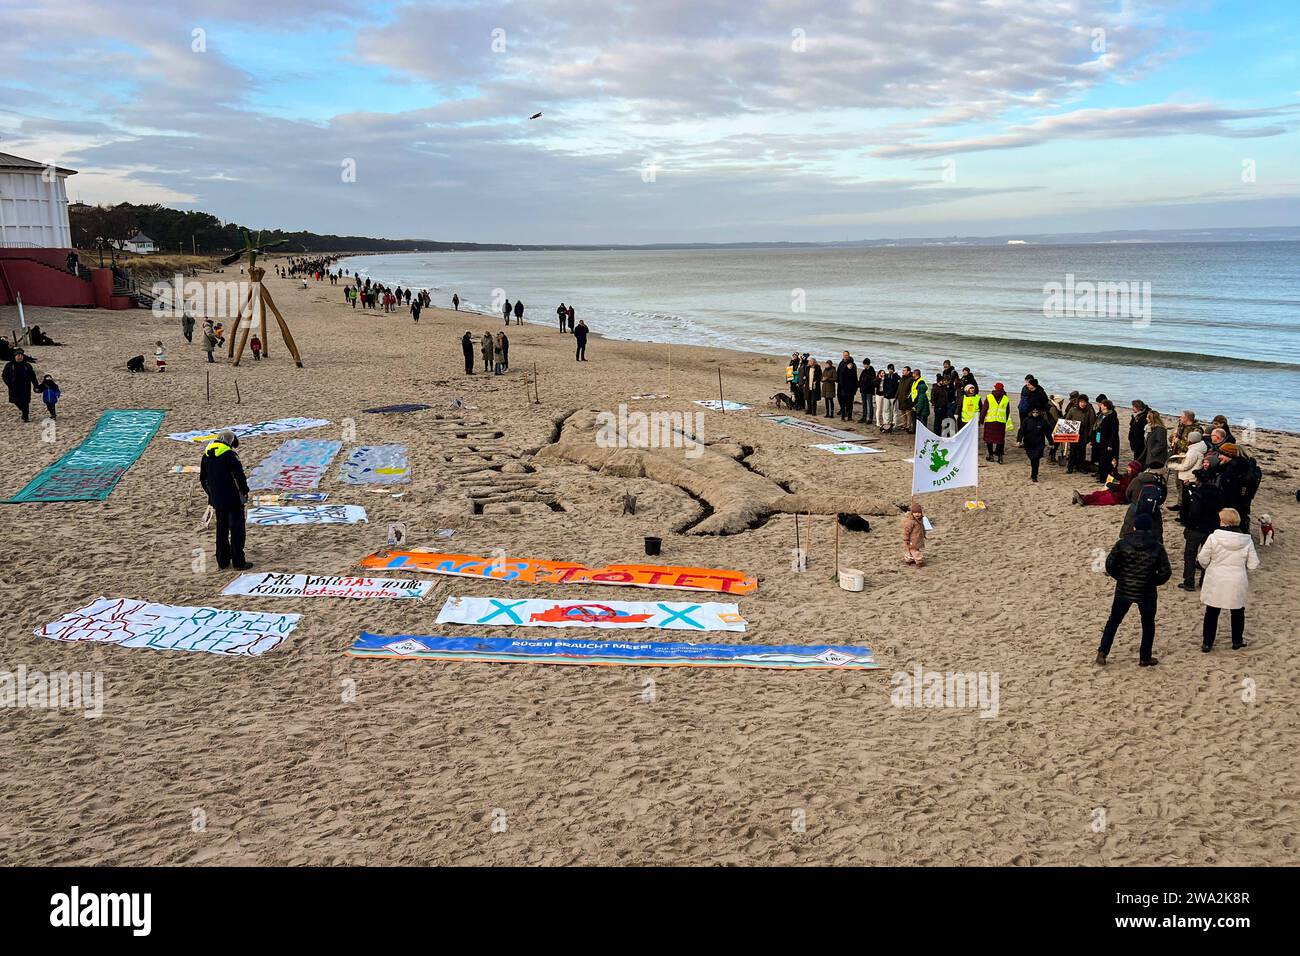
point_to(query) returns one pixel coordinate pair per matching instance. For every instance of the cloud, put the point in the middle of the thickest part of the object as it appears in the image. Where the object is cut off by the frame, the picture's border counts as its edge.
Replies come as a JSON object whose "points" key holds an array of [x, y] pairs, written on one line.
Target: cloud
{"points": [[1156, 119]]}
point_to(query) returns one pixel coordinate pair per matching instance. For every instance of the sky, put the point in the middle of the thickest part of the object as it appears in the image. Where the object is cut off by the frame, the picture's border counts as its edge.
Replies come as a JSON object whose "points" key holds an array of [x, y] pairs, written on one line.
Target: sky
{"points": [[666, 120]]}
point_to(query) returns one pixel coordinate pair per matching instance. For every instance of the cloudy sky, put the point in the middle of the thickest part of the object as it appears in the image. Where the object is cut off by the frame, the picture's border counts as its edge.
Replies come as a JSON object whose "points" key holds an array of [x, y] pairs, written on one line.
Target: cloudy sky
{"points": [[666, 120]]}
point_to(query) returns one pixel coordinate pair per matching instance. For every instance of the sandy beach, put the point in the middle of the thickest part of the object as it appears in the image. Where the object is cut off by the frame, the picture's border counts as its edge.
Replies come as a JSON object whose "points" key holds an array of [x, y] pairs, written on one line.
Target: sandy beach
{"points": [[306, 756]]}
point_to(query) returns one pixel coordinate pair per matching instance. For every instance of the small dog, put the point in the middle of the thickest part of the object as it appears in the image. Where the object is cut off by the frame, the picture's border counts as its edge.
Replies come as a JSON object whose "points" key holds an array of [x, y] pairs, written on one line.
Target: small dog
{"points": [[782, 400], [136, 364], [1265, 530]]}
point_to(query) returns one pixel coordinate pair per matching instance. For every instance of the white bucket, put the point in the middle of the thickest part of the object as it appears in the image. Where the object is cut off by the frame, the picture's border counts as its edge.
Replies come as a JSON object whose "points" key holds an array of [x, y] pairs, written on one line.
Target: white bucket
{"points": [[851, 579]]}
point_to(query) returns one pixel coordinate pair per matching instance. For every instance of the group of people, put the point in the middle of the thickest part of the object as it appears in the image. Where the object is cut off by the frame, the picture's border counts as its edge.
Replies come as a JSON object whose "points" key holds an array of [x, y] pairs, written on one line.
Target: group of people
{"points": [[495, 350], [1214, 478], [376, 296], [21, 382]]}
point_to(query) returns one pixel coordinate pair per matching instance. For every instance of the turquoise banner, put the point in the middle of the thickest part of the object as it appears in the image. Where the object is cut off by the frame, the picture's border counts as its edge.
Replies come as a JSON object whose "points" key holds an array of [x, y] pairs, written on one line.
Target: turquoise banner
{"points": [[89, 471]]}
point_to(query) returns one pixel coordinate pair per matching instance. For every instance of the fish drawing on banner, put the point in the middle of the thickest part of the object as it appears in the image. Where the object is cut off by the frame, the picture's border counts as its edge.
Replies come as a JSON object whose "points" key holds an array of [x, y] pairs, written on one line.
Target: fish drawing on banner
{"points": [[614, 614]]}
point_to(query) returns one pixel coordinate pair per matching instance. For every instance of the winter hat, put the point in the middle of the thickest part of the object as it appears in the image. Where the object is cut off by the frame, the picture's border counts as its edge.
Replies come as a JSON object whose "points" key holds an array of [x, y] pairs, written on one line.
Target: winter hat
{"points": [[1143, 523], [1229, 449], [1193, 437]]}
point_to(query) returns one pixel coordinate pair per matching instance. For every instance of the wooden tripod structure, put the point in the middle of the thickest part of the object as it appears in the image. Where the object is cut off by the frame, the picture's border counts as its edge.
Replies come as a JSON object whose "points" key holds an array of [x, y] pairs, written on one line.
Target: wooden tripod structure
{"points": [[252, 316]]}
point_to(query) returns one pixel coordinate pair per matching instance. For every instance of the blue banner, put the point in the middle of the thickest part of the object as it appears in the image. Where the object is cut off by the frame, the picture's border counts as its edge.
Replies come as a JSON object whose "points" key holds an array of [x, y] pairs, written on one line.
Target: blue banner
{"points": [[614, 653], [89, 471]]}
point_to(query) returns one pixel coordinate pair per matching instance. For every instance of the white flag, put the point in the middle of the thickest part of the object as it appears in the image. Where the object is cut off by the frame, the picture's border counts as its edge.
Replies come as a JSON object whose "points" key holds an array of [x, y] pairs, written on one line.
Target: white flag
{"points": [[943, 463]]}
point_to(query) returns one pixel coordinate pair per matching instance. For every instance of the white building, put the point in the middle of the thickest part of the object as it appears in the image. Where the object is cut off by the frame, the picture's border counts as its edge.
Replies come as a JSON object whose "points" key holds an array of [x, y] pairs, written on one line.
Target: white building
{"points": [[33, 204], [140, 243]]}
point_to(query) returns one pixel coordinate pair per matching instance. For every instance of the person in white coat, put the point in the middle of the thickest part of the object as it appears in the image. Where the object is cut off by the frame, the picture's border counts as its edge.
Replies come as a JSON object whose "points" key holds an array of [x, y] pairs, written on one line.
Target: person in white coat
{"points": [[1185, 466], [1227, 555]]}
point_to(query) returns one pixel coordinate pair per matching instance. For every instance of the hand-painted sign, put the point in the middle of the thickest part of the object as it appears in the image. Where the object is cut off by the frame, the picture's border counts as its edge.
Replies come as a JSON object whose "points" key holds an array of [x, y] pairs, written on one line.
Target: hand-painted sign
{"points": [[844, 448], [614, 614], [255, 430], [817, 428], [1066, 431], [376, 465], [273, 584], [90, 471], [270, 515], [614, 653], [536, 571], [165, 627], [297, 464]]}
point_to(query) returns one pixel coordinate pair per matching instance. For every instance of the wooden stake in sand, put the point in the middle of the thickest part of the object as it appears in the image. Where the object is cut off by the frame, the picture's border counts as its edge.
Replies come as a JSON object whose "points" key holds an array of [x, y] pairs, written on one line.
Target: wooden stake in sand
{"points": [[237, 400], [537, 393], [836, 519], [208, 378], [721, 403]]}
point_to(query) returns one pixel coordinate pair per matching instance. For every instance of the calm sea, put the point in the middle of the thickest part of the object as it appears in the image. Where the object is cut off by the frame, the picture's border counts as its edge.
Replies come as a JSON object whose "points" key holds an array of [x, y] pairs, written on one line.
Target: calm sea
{"points": [[1210, 326]]}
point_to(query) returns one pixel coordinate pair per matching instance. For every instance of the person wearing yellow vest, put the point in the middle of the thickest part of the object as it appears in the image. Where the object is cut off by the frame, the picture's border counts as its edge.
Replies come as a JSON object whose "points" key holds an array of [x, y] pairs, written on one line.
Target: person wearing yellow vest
{"points": [[970, 405], [995, 412]]}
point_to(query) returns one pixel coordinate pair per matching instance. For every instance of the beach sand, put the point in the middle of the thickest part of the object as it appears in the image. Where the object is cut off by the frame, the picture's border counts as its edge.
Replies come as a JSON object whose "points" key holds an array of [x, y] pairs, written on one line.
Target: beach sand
{"points": [[616, 765]]}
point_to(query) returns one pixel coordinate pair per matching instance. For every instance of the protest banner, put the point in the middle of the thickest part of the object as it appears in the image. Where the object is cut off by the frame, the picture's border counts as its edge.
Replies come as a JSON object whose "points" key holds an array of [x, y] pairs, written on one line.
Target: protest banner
{"points": [[376, 465], [507, 650], [255, 430], [615, 614], [165, 627], [270, 515], [538, 571], [297, 464], [943, 463], [90, 471], [275, 584]]}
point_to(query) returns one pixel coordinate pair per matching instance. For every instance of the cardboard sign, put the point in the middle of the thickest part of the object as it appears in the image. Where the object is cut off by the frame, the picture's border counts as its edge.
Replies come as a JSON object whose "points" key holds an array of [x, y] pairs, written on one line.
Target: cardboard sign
{"points": [[537, 571], [1066, 431]]}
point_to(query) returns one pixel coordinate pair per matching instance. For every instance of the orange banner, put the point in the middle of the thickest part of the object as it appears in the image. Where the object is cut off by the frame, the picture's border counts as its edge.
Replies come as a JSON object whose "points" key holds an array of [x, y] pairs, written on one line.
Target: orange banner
{"points": [[534, 571]]}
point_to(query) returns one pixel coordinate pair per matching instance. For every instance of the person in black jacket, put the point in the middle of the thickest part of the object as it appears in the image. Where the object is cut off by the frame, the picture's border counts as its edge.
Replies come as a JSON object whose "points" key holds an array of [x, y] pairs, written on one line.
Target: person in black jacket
{"points": [[1139, 565], [1106, 441], [20, 378], [1200, 518], [222, 477], [467, 348], [846, 386], [1137, 429], [1033, 435], [580, 333], [867, 389]]}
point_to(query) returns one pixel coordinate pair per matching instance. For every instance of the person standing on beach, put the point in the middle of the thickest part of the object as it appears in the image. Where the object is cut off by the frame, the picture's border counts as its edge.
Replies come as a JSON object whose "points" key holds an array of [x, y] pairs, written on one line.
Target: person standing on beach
{"points": [[867, 390], [1155, 442], [1033, 436], [1080, 411], [792, 375], [1139, 565], [889, 392], [499, 344], [968, 379], [1228, 556], [519, 312], [209, 338], [488, 348], [828, 388], [187, 324], [1106, 441], [904, 396], [455, 301], [20, 379], [914, 536], [415, 311], [221, 476], [846, 386], [1137, 429], [813, 386], [920, 395], [580, 334], [569, 313], [467, 348], [506, 310], [563, 316], [940, 399], [504, 347], [995, 413]]}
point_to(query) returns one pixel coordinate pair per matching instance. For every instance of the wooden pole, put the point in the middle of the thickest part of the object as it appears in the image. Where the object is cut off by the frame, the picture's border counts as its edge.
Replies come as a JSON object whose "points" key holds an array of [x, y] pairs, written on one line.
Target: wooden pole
{"points": [[284, 326], [208, 376], [237, 398], [721, 401], [836, 519], [537, 393], [796, 537]]}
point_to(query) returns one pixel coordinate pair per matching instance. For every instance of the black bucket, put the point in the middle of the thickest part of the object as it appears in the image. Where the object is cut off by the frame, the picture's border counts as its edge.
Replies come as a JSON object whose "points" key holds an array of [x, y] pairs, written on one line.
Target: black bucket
{"points": [[652, 545]]}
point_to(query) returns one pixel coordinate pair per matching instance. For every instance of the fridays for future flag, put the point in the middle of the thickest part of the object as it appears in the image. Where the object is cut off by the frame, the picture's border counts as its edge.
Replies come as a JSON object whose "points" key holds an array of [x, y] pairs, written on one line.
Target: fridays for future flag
{"points": [[943, 463]]}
